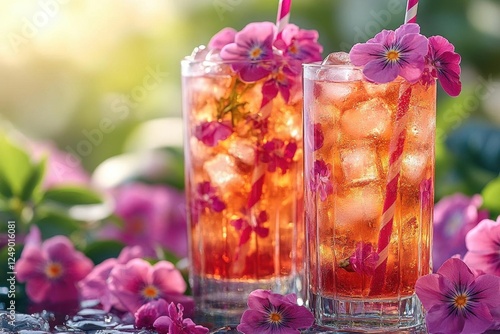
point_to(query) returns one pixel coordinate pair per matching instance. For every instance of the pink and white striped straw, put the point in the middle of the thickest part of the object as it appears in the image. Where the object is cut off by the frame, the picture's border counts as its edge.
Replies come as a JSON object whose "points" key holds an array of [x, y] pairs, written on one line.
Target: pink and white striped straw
{"points": [[394, 170], [283, 16]]}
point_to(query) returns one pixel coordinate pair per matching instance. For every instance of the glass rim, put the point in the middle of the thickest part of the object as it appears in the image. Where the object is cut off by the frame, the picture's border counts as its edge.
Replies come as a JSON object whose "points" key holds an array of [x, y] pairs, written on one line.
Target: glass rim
{"points": [[191, 60], [319, 65]]}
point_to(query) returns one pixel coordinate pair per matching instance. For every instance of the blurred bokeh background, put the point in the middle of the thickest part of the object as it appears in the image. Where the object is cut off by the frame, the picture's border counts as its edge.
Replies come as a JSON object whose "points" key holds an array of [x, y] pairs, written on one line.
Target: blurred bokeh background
{"points": [[101, 79]]}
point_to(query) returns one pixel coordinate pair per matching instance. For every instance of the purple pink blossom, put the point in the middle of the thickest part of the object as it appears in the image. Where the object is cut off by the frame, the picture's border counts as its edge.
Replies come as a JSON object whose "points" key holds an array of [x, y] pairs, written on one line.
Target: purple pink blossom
{"points": [[278, 154], [147, 314], [483, 245], [206, 198], [175, 323], [454, 217], [211, 133], [51, 269], [272, 313], [457, 301], [365, 258], [319, 180], [138, 282], [222, 38], [246, 227], [300, 44]]}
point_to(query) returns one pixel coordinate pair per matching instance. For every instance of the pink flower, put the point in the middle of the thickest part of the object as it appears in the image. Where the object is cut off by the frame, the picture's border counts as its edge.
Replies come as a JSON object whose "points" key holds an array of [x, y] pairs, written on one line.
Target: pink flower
{"points": [[51, 269], [94, 285], [211, 133], [365, 258], [242, 224], [278, 81], [148, 313], [300, 44], [443, 63], [316, 138], [251, 46], [454, 217], [483, 244], [457, 301], [206, 198], [152, 215], [270, 313], [320, 179], [278, 154], [138, 282], [222, 38], [174, 323], [392, 53]]}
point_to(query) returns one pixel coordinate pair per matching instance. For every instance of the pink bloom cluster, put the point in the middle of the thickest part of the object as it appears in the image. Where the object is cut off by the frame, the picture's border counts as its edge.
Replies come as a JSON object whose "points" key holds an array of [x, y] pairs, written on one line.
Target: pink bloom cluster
{"points": [[406, 53]]}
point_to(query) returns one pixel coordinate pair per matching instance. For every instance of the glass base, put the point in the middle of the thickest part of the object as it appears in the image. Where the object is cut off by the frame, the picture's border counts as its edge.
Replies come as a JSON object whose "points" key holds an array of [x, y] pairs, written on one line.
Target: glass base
{"points": [[224, 301], [373, 316]]}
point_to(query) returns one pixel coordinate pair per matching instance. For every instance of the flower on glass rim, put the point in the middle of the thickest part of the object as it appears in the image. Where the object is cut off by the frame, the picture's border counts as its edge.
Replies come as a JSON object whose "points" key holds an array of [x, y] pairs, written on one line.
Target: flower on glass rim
{"points": [[300, 44], [146, 315], [320, 179], [270, 313], [454, 217], [211, 133], [174, 322], [252, 44], [94, 286], [138, 282], [457, 301], [278, 154], [392, 53], [51, 269], [278, 81], [483, 245], [443, 63], [206, 198], [222, 38], [242, 224]]}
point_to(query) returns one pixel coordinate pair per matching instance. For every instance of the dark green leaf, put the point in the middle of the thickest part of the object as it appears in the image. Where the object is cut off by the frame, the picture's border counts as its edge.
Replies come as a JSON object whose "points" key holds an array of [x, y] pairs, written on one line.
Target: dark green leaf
{"points": [[99, 251], [491, 198], [53, 223], [72, 195], [34, 181]]}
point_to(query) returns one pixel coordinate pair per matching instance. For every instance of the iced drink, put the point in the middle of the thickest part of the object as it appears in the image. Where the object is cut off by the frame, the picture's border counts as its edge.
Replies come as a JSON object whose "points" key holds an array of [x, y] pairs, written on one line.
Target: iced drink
{"points": [[350, 127]]}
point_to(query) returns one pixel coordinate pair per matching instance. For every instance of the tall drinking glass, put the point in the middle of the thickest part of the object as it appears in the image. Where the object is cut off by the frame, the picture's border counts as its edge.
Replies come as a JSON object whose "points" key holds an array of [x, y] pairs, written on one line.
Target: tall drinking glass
{"points": [[243, 164], [368, 175]]}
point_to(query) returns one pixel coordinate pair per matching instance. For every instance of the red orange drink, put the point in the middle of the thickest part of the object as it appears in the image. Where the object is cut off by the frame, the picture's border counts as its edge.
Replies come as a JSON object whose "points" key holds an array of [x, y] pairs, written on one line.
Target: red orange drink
{"points": [[350, 127]]}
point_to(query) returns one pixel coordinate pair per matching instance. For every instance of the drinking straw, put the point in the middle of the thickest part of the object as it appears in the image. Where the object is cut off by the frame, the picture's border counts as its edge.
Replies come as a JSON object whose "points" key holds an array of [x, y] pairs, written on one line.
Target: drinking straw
{"points": [[396, 147], [283, 16]]}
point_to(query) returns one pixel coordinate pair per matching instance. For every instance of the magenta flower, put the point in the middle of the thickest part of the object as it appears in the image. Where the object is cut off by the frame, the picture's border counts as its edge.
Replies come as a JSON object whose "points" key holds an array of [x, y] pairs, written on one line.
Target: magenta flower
{"points": [[392, 53], [454, 217], [270, 313], [222, 38], [174, 323], [278, 81], [147, 314], [278, 154], [242, 224], [211, 133], [251, 46], [152, 216], [443, 63], [94, 286], [457, 301], [206, 198], [316, 138], [138, 282], [320, 179], [300, 44], [365, 258], [483, 244], [51, 269]]}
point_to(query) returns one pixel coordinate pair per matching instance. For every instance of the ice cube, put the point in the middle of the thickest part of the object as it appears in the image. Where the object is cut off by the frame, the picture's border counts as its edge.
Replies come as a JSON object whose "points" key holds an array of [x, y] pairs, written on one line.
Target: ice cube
{"points": [[413, 167], [359, 205], [223, 173], [420, 130], [370, 118], [243, 151], [337, 58], [360, 165]]}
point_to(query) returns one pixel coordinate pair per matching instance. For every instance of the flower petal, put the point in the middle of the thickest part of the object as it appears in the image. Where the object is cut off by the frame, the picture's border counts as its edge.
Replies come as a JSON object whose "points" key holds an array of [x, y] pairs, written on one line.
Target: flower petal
{"points": [[38, 289], [380, 72], [440, 320], [487, 288], [479, 321], [222, 38], [167, 278], [457, 272], [429, 290], [362, 53]]}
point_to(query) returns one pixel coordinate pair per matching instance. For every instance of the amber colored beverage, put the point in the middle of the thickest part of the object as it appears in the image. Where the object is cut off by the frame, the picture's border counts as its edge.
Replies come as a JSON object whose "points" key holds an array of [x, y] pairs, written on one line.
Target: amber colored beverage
{"points": [[243, 163], [349, 124]]}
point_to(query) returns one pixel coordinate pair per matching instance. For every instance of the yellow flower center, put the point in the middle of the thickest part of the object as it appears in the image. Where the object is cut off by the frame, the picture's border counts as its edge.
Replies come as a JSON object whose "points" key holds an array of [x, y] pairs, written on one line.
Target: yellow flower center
{"points": [[460, 301], [275, 317], [255, 53], [392, 55], [150, 292], [53, 270]]}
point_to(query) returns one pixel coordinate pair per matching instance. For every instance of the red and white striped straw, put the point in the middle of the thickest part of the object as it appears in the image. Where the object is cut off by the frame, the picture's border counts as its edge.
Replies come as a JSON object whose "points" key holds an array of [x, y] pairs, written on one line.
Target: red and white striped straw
{"points": [[396, 147], [283, 16], [411, 11]]}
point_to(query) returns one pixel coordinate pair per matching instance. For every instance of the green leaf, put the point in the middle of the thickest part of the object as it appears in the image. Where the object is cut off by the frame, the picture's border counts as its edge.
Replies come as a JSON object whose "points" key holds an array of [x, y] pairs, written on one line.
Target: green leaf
{"points": [[53, 223], [72, 195], [34, 182], [15, 168], [491, 198], [101, 250]]}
